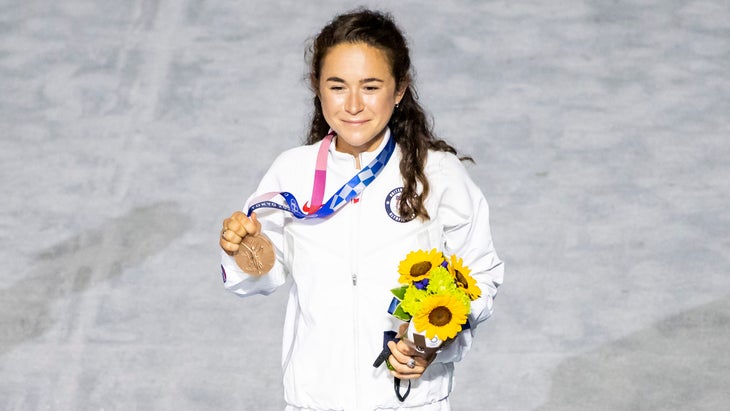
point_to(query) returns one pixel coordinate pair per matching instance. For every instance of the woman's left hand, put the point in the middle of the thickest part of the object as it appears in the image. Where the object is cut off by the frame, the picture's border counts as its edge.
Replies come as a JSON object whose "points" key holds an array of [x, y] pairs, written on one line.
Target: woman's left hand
{"points": [[407, 362]]}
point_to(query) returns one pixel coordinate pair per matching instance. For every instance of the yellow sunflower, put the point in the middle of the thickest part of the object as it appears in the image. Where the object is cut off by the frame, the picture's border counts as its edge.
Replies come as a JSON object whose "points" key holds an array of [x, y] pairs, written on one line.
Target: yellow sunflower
{"points": [[418, 264], [441, 315], [463, 279]]}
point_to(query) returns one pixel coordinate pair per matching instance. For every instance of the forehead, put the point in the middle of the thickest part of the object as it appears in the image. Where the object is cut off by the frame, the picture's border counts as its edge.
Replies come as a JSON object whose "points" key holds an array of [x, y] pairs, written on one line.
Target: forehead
{"points": [[356, 60]]}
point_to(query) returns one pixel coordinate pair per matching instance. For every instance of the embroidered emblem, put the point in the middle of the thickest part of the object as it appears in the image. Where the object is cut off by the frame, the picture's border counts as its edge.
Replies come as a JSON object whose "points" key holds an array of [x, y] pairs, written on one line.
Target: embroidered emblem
{"points": [[391, 206]]}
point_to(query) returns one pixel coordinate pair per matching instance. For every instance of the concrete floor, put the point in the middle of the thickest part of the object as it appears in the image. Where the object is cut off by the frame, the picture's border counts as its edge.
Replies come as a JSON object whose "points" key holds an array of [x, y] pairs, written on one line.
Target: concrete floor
{"points": [[129, 129]]}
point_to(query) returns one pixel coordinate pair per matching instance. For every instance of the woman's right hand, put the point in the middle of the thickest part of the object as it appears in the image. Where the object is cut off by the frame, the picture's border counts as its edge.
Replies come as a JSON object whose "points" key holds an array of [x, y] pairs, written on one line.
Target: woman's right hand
{"points": [[235, 228]]}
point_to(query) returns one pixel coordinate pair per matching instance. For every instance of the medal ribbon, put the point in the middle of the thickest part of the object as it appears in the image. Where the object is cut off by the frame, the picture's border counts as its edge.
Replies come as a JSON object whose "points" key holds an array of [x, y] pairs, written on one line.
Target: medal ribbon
{"points": [[347, 192], [320, 174]]}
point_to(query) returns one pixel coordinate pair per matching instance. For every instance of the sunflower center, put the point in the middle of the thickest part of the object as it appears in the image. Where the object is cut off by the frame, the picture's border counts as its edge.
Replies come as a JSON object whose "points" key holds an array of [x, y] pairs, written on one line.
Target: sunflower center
{"points": [[439, 316], [461, 280], [419, 269]]}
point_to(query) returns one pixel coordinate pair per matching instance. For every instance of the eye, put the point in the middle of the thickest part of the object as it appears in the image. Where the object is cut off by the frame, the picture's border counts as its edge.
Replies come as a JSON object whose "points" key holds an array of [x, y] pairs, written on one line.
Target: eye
{"points": [[336, 88]]}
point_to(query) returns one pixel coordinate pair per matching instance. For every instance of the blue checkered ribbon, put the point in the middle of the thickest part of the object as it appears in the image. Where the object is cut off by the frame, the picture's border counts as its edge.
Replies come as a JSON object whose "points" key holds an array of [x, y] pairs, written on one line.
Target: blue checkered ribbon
{"points": [[347, 192]]}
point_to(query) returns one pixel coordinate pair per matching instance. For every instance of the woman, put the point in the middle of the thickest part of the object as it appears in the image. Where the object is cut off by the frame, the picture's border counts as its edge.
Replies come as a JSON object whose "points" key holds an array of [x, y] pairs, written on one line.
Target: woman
{"points": [[343, 264]]}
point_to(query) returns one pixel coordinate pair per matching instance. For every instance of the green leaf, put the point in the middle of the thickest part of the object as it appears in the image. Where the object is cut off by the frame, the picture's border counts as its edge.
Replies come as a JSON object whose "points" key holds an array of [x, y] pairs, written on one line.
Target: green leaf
{"points": [[400, 314], [399, 292], [387, 364]]}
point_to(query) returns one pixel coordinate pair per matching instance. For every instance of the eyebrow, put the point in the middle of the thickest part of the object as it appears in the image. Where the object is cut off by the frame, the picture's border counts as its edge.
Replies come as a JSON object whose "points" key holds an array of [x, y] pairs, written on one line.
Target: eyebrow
{"points": [[365, 80]]}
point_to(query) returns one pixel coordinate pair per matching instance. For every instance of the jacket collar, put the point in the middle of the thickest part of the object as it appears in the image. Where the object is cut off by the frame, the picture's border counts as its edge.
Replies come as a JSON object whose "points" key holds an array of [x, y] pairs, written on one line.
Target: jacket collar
{"points": [[341, 160]]}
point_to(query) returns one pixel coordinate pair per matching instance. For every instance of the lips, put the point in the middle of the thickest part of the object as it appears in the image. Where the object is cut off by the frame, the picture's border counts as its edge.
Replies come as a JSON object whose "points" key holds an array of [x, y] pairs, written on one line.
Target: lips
{"points": [[355, 122]]}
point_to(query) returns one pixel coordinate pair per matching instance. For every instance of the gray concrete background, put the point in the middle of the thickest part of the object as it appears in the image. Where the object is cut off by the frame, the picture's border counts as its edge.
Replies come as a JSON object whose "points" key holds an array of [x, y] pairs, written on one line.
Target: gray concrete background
{"points": [[129, 129]]}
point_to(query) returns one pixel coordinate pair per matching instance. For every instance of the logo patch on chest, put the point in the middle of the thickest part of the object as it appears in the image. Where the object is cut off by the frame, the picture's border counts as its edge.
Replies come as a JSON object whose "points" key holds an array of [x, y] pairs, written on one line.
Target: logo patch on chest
{"points": [[392, 200]]}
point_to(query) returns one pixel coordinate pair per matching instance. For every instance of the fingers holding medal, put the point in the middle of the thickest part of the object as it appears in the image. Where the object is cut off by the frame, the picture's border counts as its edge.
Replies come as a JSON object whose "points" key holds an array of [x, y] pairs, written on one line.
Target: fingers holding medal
{"points": [[235, 228], [242, 239]]}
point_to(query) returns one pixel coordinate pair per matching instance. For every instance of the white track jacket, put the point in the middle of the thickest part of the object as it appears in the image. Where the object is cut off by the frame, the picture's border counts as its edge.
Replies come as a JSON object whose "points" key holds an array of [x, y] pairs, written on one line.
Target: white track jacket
{"points": [[344, 266]]}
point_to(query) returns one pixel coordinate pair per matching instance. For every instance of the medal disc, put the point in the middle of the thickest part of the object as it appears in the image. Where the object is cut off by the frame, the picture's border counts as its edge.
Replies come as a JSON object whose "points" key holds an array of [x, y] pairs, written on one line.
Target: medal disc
{"points": [[256, 255]]}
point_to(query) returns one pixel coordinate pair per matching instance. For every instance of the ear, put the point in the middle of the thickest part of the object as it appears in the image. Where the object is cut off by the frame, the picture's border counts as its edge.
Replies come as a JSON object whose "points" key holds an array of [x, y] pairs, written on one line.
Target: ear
{"points": [[401, 91], [314, 84]]}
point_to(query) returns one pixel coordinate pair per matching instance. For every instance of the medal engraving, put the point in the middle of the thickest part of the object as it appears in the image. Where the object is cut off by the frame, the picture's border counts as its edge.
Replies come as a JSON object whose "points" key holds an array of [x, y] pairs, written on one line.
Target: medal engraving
{"points": [[256, 255]]}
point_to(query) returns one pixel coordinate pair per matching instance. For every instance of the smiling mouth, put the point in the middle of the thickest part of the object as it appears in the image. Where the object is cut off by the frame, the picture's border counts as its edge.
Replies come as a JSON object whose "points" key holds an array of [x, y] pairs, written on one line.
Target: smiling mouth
{"points": [[355, 122]]}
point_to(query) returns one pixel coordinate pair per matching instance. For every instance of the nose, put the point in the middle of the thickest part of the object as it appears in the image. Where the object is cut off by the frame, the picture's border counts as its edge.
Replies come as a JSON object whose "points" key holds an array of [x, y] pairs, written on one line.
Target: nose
{"points": [[354, 103]]}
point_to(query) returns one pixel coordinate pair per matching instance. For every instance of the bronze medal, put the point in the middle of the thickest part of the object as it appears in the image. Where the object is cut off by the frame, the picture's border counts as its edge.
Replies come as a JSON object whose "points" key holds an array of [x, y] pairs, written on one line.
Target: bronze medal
{"points": [[256, 255]]}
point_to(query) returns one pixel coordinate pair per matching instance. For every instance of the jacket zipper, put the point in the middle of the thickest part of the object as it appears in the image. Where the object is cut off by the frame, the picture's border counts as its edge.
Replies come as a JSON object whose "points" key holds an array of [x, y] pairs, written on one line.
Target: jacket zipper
{"points": [[354, 266]]}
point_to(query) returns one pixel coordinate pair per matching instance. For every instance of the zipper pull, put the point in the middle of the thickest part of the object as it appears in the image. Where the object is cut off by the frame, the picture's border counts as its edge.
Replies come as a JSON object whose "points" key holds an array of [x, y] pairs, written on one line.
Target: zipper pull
{"points": [[354, 278]]}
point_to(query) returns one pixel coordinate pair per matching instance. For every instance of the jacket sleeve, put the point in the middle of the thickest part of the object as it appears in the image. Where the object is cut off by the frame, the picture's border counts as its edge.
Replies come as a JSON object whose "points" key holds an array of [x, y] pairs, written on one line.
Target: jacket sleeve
{"points": [[464, 214], [272, 225]]}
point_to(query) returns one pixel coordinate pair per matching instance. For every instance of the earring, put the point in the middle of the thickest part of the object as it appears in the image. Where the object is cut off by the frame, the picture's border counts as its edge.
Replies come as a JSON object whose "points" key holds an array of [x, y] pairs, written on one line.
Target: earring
{"points": [[396, 106]]}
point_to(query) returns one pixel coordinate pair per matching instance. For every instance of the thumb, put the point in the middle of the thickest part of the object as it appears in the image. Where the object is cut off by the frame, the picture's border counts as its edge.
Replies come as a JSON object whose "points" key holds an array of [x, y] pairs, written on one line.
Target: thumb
{"points": [[256, 222]]}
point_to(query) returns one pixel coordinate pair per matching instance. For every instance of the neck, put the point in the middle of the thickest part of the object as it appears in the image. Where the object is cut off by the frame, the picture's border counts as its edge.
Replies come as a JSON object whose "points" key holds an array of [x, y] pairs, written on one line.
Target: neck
{"points": [[342, 146], [357, 161]]}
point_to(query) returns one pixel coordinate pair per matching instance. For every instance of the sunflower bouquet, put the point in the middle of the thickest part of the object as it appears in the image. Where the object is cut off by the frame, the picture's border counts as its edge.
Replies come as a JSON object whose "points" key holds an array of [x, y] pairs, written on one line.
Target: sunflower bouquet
{"points": [[435, 297]]}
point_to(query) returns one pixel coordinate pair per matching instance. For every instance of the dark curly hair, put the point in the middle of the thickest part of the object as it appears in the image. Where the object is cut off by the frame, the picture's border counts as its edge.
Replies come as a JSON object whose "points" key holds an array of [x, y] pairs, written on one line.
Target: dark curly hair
{"points": [[409, 124]]}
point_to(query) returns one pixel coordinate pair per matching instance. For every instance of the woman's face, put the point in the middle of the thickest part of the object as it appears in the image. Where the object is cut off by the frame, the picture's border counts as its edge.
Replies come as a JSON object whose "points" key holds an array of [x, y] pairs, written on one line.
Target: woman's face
{"points": [[358, 94]]}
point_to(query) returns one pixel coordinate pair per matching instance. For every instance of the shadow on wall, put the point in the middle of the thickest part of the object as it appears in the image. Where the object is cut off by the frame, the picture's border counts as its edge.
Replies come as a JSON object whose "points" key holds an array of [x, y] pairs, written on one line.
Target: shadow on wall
{"points": [[682, 363], [81, 262]]}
